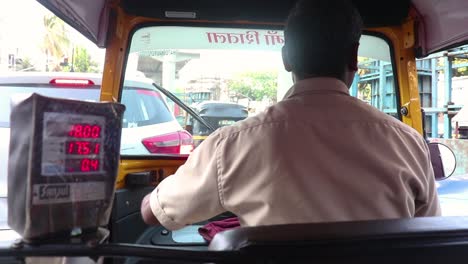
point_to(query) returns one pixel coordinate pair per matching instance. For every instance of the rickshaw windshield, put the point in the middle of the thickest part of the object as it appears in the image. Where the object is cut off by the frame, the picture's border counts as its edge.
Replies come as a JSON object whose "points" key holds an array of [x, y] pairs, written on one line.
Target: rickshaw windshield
{"points": [[215, 70]]}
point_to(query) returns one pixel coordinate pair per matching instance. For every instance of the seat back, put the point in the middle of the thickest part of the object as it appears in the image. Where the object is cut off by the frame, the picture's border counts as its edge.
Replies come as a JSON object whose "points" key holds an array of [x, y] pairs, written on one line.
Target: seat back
{"points": [[436, 240]]}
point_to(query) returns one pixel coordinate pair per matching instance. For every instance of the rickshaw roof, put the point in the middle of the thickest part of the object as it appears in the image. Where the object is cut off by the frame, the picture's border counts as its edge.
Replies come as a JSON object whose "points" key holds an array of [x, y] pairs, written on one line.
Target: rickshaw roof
{"points": [[221, 109]]}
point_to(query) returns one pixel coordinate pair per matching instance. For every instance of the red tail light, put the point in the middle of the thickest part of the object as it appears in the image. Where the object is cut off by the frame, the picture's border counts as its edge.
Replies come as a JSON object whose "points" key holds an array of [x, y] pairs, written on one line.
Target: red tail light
{"points": [[180, 142], [149, 93], [71, 82]]}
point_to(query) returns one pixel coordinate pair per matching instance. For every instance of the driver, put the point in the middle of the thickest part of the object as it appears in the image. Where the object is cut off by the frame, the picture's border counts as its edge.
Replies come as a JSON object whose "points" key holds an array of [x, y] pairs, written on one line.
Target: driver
{"points": [[319, 155]]}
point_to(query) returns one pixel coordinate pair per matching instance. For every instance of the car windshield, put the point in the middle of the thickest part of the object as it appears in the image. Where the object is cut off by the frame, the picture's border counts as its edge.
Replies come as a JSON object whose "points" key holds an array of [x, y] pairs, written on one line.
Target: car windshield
{"points": [[229, 74], [11, 94], [144, 103]]}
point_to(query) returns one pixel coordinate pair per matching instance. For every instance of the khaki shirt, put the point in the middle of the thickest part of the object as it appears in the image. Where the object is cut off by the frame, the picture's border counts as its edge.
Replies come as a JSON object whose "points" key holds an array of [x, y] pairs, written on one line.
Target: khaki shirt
{"points": [[319, 155]]}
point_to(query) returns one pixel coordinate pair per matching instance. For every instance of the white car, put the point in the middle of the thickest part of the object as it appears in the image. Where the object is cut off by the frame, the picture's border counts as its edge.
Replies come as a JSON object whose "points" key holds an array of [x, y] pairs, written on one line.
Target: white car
{"points": [[149, 127]]}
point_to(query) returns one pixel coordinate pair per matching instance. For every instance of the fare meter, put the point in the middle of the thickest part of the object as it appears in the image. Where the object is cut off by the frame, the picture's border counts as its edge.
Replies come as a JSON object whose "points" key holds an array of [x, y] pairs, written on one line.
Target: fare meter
{"points": [[63, 162]]}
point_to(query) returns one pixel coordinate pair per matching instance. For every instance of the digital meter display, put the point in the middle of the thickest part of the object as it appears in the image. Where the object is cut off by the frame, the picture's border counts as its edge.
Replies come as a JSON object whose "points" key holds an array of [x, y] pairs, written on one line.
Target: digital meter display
{"points": [[83, 147], [85, 131], [61, 129], [72, 144], [82, 165]]}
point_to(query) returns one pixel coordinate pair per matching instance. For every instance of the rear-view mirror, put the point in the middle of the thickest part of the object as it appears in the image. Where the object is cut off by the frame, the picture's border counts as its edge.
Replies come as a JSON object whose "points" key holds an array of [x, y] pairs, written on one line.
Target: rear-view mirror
{"points": [[443, 161]]}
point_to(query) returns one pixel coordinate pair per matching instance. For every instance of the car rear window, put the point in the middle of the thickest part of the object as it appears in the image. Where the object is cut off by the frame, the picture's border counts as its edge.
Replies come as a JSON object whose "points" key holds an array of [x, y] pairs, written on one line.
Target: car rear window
{"points": [[144, 107], [9, 94]]}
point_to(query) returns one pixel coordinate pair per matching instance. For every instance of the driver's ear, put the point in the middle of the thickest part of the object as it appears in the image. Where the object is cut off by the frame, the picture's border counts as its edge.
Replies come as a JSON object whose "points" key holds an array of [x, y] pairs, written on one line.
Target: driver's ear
{"points": [[286, 63], [353, 59]]}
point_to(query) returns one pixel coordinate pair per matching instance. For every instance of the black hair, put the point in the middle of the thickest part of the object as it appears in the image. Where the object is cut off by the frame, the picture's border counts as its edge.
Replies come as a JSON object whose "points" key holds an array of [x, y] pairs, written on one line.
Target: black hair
{"points": [[320, 36]]}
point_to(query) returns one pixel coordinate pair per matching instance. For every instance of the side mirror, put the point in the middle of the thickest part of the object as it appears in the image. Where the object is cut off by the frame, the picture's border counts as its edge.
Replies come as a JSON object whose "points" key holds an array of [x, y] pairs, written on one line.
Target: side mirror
{"points": [[443, 161]]}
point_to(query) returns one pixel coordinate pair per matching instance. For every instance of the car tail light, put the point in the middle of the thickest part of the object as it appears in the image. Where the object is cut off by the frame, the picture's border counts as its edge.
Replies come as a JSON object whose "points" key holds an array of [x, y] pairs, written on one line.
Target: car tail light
{"points": [[180, 142], [149, 93], [71, 82]]}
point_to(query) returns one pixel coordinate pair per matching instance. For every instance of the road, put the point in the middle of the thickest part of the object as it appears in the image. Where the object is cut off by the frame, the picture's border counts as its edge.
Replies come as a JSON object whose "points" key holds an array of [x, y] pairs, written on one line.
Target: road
{"points": [[453, 195]]}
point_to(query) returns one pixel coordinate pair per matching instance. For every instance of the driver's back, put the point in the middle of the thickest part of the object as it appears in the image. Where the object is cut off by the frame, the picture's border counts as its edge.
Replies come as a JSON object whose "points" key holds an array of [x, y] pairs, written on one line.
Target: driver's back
{"points": [[320, 155]]}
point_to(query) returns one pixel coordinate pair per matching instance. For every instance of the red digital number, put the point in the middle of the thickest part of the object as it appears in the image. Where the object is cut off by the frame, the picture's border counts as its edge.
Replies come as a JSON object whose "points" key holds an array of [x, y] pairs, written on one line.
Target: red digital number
{"points": [[96, 131], [85, 131], [78, 131], [89, 165], [83, 148], [71, 147], [97, 148], [95, 164], [85, 165]]}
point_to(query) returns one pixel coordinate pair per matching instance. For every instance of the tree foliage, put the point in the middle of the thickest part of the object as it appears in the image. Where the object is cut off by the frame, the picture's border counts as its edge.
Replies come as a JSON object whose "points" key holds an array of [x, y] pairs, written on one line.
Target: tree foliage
{"points": [[458, 71], [56, 41], [82, 61], [256, 85], [365, 88], [461, 71]]}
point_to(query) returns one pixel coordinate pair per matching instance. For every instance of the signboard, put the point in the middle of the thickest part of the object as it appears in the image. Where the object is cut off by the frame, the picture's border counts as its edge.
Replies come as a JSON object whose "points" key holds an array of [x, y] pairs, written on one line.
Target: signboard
{"points": [[161, 41]]}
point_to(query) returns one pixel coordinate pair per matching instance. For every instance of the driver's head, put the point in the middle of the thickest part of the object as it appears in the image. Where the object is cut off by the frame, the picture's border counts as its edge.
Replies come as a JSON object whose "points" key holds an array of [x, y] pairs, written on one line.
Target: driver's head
{"points": [[321, 39]]}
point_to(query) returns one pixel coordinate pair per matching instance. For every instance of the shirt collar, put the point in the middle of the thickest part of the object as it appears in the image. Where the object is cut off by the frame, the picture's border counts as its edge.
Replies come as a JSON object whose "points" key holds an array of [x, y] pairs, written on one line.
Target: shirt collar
{"points": [[317, 85]]}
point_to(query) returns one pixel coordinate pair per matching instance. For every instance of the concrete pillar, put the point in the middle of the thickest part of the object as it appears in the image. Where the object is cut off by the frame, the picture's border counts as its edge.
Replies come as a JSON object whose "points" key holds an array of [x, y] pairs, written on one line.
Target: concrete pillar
{"points": [[132, 64], [169, 72], [448, 95], [382, 84]]}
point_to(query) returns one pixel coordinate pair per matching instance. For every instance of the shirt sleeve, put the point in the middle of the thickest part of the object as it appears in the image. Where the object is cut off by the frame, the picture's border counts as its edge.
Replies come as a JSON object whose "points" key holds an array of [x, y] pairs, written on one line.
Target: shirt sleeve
{"points": [[427, 203], [190, 195]]}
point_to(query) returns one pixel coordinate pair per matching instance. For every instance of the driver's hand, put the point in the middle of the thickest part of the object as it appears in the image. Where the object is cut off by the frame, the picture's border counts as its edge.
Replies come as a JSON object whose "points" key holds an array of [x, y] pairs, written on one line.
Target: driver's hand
{"points": [[146, 212]]}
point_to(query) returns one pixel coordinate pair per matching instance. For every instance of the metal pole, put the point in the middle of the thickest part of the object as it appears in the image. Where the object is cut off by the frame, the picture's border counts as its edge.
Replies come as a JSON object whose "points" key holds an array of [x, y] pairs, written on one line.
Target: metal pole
{"points": [[448, 95], [47, 61], [434, 82], [72, 69], [456, 52], [354, 87], [382, 79]]}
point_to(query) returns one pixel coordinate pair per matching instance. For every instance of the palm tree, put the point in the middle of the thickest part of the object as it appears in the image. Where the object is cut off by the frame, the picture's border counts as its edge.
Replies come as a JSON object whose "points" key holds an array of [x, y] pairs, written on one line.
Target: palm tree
{"points": [[56, 40]]}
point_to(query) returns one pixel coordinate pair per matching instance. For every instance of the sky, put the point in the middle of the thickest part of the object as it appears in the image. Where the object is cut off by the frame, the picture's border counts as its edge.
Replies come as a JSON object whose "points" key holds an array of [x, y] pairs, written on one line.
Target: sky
{"points": [[22, 32]]}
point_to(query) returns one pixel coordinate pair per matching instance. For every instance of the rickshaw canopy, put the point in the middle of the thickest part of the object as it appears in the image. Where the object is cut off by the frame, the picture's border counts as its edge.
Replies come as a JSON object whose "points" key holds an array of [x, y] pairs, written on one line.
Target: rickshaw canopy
{"points": [[440, 24]]}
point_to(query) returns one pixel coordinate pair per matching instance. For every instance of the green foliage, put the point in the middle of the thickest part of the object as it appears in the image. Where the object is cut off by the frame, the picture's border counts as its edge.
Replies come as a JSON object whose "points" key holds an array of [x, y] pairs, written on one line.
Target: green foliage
{"points": [[56, 41], [364, 88], [462, 71], [457, 72], [255, 85], [365, 91], [82, 61]]}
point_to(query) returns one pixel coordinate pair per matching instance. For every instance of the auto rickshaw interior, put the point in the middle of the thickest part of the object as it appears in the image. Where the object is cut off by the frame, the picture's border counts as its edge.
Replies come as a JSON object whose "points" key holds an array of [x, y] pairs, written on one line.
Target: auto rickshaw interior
{"points": [[190, 46]]}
